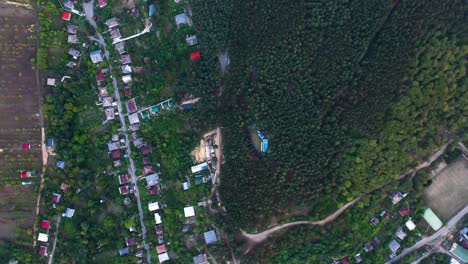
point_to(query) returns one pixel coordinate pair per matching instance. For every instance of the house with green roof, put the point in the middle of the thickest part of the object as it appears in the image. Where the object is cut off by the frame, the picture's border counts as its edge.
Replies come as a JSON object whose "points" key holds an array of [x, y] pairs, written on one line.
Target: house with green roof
{"points": [[432, 219], [460, 252]]}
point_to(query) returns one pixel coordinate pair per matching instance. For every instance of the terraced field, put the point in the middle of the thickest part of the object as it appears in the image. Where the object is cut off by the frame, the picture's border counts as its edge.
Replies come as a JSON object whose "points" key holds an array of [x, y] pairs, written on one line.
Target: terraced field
{"points": [[20, 119]]}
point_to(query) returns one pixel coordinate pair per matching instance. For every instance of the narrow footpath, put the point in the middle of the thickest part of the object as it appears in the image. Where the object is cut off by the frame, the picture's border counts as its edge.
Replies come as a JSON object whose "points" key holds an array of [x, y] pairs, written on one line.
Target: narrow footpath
{"points": [[89, 11], [51, 256]]}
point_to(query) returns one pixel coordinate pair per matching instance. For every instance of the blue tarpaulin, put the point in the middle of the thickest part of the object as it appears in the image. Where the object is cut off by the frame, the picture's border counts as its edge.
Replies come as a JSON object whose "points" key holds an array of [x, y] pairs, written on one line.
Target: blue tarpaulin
{"points": [[260, 134], [264, 146], [152, 10]]}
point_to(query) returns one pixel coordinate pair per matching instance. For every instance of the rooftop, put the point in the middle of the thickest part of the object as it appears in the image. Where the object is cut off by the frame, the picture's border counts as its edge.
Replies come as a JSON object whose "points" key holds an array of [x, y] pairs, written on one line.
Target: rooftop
{"points": [[189, 211], [43, 237], [45, 224], [432, 219], [210, 237]]}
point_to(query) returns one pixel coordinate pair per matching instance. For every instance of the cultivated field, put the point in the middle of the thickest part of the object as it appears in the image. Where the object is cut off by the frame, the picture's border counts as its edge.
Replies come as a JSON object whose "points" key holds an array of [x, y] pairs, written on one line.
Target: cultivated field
{"points": [[20, 119], [449, 190]]}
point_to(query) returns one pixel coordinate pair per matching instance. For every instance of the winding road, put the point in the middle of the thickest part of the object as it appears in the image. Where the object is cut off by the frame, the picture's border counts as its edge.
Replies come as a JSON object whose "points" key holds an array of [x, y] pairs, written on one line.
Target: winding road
{"points": [[89, 11]]}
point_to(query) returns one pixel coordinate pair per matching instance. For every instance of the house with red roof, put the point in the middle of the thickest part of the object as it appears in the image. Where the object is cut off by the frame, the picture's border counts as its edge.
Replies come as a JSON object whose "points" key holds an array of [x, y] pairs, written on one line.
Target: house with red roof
{"points": [[56, 198], [64, 187], [66, 16], [131, 105], [100, 77], [124, 190], [146, 161], [42, 251], [161, 249], [127, 90], [102, 3], [123, 179], [45, 224], [404, 211], [195, 55], [146, 150], [115, 154], [154, 190], [25, 174], [148, 169], [158, 229], [26, 146], [132, 241]]}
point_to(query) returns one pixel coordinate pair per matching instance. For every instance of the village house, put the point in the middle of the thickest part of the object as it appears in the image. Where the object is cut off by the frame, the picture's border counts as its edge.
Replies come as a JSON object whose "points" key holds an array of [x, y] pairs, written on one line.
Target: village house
{"points": [[152, 180], [71, 64], [96, 56], [200, 259], [51, 81], [127, 78], [69, 4], [432, 219], [131, 105], [72, 39], [43, 237], [114, 33], [152, 10], [400, 233], [196, 55], [66, 16], [124, 190], [404, 211], [127, 90], [394, 246], [113, 146], [189, 213], [45, 224], [146, 149], [107, 101], [74, 53], [148, 169], [396, 197], [56, 198], [185, 185], [125, 59], [386, 215], [374, 220], [112, 22], [42, 251], [100, 76], [410, 225], [182, 19], [115, 154], [69, 213], [157, 218], [358, 258], [162, 254], [123, 179], [138, 143], [191, 40], [120, 47], [124, 251], [64, 186], [199, 167], [110, 114], [133, 119], [153, 206], [210, 237], [130, 242], [61, 164], [103, 92], [460, 252], [158, 229], [102, 3], [154, 190], [72, 29], [126, 69]]}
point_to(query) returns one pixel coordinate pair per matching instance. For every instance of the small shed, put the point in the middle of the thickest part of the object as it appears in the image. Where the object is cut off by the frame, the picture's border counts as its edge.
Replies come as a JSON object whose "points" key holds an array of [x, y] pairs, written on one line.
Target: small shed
{"points": [[56, 198], [394, 245], [64, 187], [191, 40], [45, 224], [124, 251], [400, 233], [112, 22], [157, 218], [43, 237], [161, 249], [42, 251], [96, 56], [410, 225], [51, 81], [196, 55], [124, 190], [182, 19], [72, 29], [127, 78], [69, 213], [66, 16], [102, 3]]}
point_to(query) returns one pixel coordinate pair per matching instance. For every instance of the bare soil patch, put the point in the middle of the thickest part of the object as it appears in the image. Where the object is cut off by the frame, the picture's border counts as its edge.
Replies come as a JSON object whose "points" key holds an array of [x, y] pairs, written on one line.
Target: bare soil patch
{"points": [[449, 190], [20, 119]]}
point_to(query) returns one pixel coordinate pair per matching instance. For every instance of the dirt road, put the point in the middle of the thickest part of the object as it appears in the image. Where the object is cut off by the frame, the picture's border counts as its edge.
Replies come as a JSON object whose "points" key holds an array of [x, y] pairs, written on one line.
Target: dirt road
{"points": [[51, 256], [260, 237]]}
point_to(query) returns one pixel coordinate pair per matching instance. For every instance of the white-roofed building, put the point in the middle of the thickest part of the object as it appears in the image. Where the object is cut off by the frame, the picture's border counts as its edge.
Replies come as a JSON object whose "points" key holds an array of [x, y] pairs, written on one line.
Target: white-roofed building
{"points": [[163, 257], [153, 206], [43, 237], [199, 167], [157, 218], [410, 225], [189, 211]]}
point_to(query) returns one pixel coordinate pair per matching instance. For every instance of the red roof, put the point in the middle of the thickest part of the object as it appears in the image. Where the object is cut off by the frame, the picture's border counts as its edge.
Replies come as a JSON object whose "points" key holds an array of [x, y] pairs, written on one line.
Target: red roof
{"points": [[388, 216], [153, 191], [64, 187], [123, 190], [131, 241], [161, 249], [123, 179], [100, 77], [55, 198], [115, 154], [26, 146], [42, 251], [45, 224], [159, 229], [345, 260], [102, 3], [148, 169], [127, 90], [146, 161], [195, 55], [66, 16], [146, 149], [404, 211], [24, 174]]}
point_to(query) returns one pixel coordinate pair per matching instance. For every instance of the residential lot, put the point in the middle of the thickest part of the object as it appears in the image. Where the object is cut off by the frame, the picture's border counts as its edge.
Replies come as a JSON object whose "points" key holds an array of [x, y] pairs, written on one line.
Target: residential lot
{"points": [[20, 119], [449, 190]]}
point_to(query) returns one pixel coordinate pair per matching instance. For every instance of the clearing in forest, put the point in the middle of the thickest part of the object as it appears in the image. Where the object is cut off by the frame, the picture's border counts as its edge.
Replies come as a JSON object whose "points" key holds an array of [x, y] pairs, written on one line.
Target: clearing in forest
{"points": [[449, 190], [20, 119]]}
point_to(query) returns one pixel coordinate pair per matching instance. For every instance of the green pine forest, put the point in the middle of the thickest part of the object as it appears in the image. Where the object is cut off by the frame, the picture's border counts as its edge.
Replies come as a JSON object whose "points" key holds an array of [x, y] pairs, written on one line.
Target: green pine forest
{"points": [[351, 94]]}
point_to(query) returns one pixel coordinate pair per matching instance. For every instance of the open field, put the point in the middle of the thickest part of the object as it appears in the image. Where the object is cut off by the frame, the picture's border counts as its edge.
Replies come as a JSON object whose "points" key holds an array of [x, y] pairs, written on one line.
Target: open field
{"points": [[449, 190], [20, 119]]}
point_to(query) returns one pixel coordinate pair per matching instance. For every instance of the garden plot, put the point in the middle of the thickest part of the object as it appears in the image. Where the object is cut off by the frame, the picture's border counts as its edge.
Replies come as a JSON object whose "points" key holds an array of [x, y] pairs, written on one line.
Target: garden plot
{"points": [[20, 118]]}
